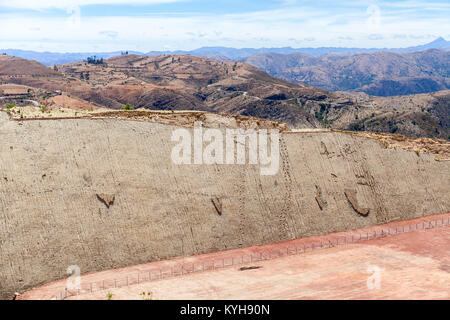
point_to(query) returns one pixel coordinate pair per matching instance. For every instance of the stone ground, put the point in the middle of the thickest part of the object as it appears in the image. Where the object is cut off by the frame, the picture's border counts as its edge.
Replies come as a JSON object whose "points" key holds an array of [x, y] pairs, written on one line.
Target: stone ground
{"points": [[410, 265]]}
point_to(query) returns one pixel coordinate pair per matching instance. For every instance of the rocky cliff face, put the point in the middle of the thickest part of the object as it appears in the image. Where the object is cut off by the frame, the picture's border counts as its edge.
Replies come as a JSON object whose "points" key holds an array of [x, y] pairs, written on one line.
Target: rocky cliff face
{"points": [[104, 193]]}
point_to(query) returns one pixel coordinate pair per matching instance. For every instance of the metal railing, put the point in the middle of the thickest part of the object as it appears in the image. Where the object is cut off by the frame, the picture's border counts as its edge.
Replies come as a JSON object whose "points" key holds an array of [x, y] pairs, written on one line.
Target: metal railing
{"points": [[182, 269]]}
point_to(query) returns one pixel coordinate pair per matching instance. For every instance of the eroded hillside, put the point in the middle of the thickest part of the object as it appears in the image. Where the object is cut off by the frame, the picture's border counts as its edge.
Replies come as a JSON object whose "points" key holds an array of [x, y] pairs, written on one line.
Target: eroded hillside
{"points": [[380, 73], [175, 82]]}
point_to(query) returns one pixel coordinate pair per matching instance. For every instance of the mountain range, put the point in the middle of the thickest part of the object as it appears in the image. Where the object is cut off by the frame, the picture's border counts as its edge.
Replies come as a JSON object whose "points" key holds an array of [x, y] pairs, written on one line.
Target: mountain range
{"points": [[54, 58], [381, 73]]}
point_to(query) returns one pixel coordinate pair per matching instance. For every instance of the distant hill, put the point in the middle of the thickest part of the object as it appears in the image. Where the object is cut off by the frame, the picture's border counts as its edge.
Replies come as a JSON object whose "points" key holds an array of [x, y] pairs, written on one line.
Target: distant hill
{"points": [[55, 58], [232, 53], [183, 82], [14, 66], [379, 73], [439, 43], [218, 53]]}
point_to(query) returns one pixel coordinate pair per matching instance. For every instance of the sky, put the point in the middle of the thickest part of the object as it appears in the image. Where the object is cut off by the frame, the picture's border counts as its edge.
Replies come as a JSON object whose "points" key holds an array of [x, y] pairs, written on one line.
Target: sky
{"points": [[157, 25]]}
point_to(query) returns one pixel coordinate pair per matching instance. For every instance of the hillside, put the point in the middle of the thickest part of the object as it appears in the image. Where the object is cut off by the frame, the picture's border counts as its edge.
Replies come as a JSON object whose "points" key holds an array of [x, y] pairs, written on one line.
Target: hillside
{"points": [[420, 115], [379, 74], [53, 215], [188, 83], [175, 82], [15, 67]]}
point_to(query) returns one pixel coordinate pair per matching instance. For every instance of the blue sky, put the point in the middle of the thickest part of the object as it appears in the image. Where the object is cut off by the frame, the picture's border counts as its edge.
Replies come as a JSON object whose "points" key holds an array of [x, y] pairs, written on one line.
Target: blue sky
{"points": [[145, 25]]}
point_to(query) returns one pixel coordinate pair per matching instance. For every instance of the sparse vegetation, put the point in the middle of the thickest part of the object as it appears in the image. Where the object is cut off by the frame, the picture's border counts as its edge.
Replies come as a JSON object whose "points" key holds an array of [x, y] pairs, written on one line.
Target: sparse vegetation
{"points": [[94, 60], [109, 296], [320, 115], [182, 85], [10, 106], [127, 107], [146, 295]]}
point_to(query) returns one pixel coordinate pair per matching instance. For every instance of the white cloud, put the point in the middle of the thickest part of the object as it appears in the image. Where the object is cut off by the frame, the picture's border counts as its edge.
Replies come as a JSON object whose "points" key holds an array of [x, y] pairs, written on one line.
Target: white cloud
{"points": [[64, 4], [277, 28], [109, 34]]}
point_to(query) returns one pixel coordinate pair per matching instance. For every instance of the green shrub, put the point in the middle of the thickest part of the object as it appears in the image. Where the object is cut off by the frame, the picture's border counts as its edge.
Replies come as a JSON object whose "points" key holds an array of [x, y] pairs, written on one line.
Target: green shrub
{"points": [[10, 106], [127, 107], [146, 295], [394, 129]]}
